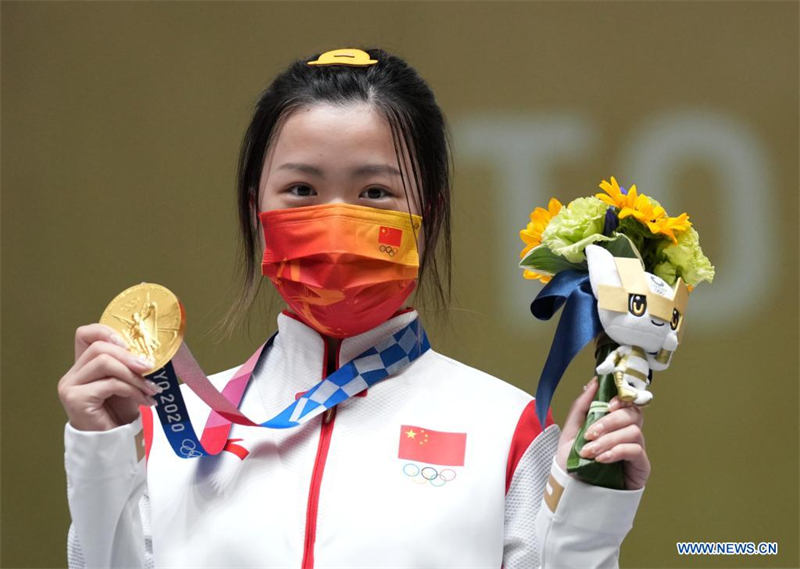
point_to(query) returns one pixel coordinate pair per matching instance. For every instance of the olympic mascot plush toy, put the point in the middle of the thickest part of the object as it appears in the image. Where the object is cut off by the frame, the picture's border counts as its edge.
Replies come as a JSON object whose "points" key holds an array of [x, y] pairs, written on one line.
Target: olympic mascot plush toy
{"points": [[641, 313]]}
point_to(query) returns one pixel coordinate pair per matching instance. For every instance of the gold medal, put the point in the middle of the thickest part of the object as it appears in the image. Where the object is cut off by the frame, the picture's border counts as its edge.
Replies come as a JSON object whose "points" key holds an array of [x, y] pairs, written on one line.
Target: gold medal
{"points": [[150, 318]]}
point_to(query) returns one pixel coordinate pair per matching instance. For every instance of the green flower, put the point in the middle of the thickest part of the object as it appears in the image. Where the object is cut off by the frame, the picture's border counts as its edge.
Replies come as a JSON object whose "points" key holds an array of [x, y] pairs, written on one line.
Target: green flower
{"points": [[576, 226], [684, 259], [666, 271]]}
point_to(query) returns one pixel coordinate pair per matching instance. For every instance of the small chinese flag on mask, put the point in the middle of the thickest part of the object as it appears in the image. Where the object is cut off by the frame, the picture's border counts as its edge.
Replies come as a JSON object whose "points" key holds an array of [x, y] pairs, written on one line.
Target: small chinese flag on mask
{"points": [[433, 447], [390, 236]]}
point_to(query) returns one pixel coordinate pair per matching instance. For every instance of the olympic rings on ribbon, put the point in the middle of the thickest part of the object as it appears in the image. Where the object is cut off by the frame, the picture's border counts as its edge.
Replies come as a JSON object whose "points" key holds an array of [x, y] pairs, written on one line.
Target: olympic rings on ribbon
{"points": [[387, 249], [189, 449], [429, 474]]}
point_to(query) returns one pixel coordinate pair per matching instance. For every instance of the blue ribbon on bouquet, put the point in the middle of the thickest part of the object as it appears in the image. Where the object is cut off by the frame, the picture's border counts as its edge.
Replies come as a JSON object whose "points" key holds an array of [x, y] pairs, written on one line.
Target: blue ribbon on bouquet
{"points": [[579, 325]]}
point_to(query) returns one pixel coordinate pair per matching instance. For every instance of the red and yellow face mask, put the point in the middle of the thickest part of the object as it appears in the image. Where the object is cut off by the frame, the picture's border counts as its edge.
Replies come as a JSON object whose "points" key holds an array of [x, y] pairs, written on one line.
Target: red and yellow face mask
{"points": [[343, 269]]}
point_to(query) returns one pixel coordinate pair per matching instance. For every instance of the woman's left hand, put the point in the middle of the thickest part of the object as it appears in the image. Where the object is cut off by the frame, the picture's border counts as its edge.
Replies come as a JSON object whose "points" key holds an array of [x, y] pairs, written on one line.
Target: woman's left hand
{"points": [[617, 436]]}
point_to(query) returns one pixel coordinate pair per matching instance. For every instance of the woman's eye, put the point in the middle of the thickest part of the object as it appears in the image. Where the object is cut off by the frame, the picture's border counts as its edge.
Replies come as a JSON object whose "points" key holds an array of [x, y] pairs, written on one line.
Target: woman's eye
{"points": [[302, 191], [676, 319], [637, 304], [375, 193]]}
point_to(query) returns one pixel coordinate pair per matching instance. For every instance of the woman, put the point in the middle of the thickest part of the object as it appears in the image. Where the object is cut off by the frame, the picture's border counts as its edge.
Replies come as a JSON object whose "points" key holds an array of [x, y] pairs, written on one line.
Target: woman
{"points": [[439, 465]]}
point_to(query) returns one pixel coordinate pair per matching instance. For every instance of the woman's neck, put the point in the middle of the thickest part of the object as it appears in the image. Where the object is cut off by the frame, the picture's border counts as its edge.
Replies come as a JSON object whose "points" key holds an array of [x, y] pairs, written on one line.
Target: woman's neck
{"points": [[332, 351]]}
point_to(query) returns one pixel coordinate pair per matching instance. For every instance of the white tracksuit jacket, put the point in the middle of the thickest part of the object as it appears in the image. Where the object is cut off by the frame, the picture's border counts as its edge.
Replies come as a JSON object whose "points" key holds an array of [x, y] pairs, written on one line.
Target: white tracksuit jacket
{"points": [[334, 492]]}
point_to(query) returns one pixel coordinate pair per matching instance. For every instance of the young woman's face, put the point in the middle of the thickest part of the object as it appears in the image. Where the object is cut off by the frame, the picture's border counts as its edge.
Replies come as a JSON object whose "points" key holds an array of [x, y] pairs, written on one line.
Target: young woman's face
{"points": [[330, 153]]}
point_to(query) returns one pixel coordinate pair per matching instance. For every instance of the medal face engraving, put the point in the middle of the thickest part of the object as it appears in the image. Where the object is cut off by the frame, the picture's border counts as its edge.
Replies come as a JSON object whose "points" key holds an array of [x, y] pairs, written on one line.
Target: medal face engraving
{"points": [[150, 318]]}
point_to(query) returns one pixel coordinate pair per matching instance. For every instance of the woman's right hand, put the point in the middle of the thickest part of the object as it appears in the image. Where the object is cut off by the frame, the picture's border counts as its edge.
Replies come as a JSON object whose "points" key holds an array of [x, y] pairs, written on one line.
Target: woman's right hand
{"points": [[105, 386]]}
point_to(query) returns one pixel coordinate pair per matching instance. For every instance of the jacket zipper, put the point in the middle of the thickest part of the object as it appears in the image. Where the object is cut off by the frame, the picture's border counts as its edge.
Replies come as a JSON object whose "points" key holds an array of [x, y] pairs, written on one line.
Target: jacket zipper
{"points": [[325, 433]]}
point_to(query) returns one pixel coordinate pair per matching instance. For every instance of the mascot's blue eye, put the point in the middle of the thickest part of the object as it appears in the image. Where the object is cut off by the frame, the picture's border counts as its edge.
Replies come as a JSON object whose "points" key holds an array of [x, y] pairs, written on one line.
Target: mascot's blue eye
{"points": [[676, 319], [637, 304]]}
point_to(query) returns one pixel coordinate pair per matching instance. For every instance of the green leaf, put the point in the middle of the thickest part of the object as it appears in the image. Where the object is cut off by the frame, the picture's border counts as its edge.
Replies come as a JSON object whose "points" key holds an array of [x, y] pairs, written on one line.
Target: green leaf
{"points": [[621, 246], [543, 259]]}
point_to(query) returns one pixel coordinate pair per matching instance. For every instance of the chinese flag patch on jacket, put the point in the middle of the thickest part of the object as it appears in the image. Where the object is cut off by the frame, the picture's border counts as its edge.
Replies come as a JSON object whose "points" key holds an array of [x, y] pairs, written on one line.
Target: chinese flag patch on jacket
{"points": [[433, 447]]}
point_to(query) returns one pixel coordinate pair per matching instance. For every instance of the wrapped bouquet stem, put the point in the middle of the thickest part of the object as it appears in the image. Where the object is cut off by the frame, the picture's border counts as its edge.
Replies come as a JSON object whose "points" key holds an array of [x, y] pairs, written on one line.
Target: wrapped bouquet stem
{"points": [[609, 475], [622, 270]]}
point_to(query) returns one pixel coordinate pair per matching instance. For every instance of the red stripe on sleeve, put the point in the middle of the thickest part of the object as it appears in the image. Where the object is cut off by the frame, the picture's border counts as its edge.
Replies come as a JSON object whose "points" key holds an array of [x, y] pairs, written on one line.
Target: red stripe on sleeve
{"points": [[528, 428], [147, 427]]}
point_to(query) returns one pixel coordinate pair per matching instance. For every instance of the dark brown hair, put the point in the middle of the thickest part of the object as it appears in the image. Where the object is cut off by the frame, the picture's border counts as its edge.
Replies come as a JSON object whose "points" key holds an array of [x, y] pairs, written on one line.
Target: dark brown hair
{"points": [[397, 91]]}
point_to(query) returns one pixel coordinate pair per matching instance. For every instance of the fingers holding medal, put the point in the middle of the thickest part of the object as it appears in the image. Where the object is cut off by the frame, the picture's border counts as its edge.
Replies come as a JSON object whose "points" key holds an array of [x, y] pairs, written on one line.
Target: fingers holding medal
{"points": [[140, 330]]}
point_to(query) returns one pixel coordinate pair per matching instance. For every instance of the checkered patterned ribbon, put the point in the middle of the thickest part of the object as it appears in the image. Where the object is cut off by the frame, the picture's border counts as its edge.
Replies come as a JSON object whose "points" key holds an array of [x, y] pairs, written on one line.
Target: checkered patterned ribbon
{"points": [[386, 358], [377, 363]]}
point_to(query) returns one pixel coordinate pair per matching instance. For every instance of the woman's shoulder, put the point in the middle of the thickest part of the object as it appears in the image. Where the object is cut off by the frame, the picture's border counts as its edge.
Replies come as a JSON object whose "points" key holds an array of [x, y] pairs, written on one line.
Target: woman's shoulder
{"points": [[472, 381]]}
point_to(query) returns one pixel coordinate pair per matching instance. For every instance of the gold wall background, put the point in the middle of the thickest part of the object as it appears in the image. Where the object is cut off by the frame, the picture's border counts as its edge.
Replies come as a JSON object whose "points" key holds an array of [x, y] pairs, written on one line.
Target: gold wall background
{"points": [[120, 129]]}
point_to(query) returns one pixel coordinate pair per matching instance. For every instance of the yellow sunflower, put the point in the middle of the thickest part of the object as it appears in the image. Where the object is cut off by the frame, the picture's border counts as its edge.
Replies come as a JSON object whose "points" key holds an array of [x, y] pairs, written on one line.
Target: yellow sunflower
{"points": [[614, 196], [643, 209], [532, 234], [540, 217], [669, 225], [534, 276], [645, 212]]}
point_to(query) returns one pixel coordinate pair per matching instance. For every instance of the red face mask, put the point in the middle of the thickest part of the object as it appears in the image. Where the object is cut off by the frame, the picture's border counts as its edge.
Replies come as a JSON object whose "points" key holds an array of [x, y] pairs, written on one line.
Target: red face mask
{"points": [[343, 269]]}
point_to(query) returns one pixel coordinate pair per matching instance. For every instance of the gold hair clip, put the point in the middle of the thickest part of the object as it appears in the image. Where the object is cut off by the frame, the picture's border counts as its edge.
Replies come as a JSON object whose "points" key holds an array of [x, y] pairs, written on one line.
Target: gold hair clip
{"points": [[347, 56]]}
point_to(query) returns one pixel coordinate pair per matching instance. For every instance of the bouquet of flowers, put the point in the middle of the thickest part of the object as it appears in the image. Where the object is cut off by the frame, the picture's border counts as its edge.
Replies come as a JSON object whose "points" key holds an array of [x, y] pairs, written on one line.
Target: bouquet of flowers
{"points": [[623, 270]]}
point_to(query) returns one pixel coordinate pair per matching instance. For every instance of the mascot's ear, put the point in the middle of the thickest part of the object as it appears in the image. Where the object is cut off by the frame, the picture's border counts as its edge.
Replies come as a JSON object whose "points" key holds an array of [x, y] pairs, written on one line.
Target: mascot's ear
{"points": [[602, 268]]}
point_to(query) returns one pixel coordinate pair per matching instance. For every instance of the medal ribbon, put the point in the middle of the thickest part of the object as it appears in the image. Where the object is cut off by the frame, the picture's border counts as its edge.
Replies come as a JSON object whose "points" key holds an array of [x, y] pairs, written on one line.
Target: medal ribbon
{"points": [[388, 357]]}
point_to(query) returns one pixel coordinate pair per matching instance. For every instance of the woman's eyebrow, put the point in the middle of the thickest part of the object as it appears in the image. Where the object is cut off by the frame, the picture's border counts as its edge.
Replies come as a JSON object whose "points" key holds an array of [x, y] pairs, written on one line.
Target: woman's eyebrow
{"points": [[306, 168], [359, 171], [369, 169]]}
